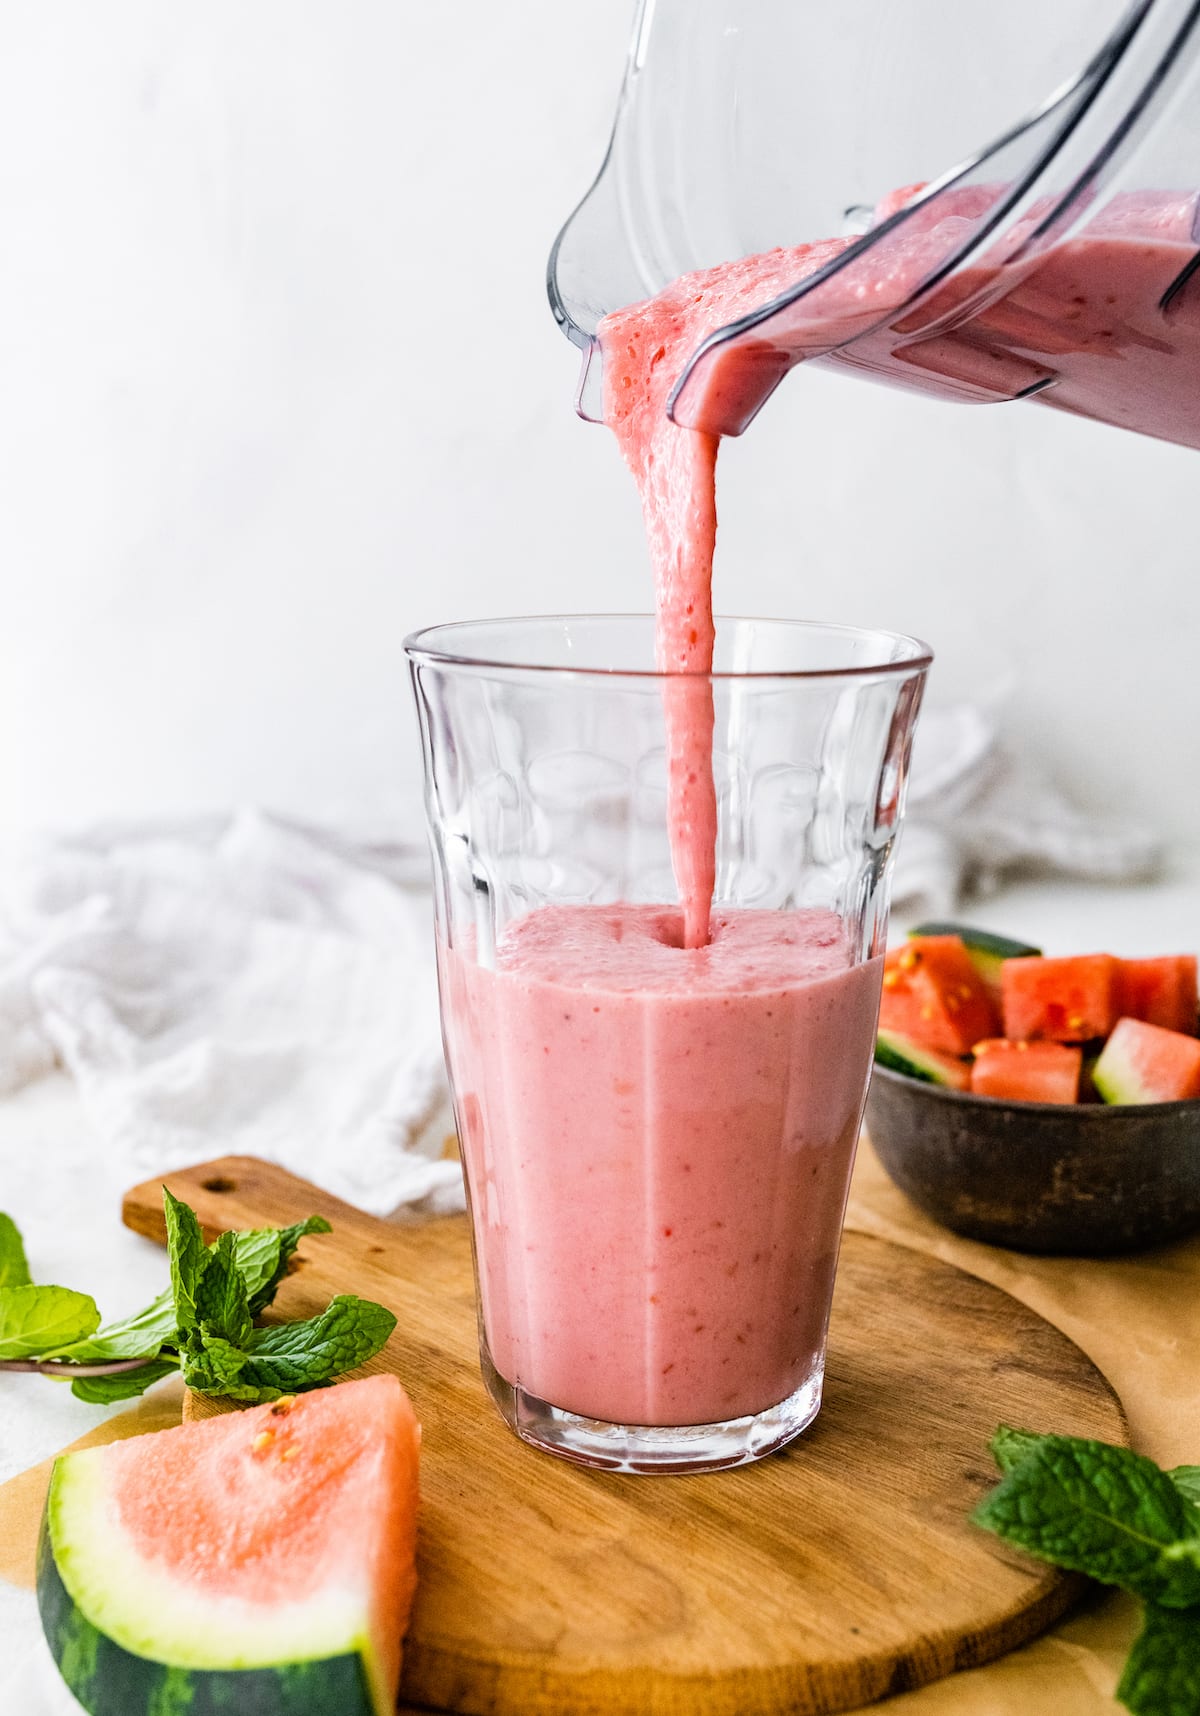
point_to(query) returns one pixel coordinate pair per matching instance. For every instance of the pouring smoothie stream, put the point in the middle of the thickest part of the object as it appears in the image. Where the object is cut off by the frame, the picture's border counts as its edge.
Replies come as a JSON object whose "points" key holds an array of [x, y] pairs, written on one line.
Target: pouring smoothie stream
{"points": [[627, 1058]]}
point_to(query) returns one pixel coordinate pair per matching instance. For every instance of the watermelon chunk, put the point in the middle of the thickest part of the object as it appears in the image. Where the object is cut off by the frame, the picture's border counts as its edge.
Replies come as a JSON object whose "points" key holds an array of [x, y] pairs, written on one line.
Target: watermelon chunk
{"points": [[1067, 1000], [902, 1055], [1144, 1063], [933, 995], [1160, 991], [1026, 1072], [260, 1562], [986, 950]]}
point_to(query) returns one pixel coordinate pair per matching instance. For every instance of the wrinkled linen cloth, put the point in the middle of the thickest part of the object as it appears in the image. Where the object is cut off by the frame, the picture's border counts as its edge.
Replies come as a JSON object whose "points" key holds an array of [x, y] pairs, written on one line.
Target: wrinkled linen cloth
{"points": [[243, 988], [979, 812]]}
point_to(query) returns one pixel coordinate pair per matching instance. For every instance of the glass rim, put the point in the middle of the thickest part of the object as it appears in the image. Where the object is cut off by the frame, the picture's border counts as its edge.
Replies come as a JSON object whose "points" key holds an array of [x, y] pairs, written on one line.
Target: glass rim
{"points": [[421, 649]]}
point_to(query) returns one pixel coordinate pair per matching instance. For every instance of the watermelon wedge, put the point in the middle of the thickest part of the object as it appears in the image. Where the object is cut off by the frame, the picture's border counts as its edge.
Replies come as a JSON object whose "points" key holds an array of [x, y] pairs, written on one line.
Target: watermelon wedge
{"points": [[986, 950], [1027, 1072], [1067, 1000], [259, 1563], [1144, 1063], [1160, 991], [933, 995], [902, 1055]]}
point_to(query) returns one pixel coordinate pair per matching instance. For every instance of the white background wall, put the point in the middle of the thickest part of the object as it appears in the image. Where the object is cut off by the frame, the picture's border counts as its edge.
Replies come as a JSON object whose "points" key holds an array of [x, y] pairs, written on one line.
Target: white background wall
{"points": [[278, 383]]}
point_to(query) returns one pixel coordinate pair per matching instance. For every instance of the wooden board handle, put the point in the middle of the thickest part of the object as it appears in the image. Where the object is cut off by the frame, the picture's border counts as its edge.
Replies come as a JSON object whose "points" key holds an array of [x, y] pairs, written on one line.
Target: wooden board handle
{"points": [[235, 1192]]}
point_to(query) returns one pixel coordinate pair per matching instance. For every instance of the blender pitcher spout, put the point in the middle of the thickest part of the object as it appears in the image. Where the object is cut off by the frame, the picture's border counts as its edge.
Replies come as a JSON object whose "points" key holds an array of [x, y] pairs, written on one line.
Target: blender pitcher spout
{"points": [[985, 284]]}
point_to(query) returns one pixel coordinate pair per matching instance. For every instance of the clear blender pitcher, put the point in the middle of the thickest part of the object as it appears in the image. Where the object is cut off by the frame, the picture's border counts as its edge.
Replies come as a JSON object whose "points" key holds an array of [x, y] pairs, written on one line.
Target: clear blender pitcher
{"points": [[1058, 260]]}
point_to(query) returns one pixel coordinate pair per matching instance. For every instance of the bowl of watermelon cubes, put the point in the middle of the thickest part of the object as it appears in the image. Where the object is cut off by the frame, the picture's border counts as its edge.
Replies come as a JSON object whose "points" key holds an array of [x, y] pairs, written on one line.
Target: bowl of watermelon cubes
{"points": [[1047, 1104]]}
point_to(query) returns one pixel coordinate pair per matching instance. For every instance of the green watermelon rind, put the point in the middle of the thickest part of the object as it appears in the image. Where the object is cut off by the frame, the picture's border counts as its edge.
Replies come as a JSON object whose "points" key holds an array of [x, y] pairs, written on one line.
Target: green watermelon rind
{"points": [[902, 1055], [109, 1679], [979, 941], [1116, 1081], [1117, 1078], [986, 950]]}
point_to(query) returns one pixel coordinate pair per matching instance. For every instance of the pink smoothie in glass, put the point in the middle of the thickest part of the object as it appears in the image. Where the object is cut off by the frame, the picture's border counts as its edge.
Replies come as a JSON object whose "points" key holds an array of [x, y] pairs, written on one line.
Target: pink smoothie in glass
{"points": [[658, 1143]]}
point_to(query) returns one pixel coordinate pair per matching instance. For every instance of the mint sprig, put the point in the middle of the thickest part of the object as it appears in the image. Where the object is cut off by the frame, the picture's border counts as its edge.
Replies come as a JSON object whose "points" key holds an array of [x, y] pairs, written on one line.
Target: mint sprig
{"points": [[263, 1256], [14, 1271], [204, 1325], [1119, 1518], [290, 1357], [186, 1257], [143, 1335], [1187, 1481], [35, 1320], [121, 1384], [1162, 1673], [222, 1304]]}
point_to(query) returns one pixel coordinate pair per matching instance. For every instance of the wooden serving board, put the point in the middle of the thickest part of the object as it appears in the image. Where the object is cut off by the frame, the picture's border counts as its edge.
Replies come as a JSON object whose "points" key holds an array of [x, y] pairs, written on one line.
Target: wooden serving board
{"points": [[821, 1579]]}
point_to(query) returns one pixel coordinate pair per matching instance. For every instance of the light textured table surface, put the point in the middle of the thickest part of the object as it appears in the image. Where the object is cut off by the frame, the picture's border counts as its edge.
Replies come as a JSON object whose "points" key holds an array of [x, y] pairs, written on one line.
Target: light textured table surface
{"points": [[1134, 1317]]}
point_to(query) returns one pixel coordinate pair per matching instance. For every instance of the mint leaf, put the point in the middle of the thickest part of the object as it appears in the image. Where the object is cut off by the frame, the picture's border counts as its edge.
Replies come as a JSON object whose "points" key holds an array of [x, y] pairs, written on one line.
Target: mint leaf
{"points": [[263, 1256], [295, 1356], [1009, 1447], [248, 1392], [1103, 1511], [257, 1258], [1187, 1481], [203, 1381], [33, 1319], [103, 1390], [187, 1255], [14, 1271], [207, 1315], [1162, 1675], [215, 1366], [141, 1336], [220, 1295]]}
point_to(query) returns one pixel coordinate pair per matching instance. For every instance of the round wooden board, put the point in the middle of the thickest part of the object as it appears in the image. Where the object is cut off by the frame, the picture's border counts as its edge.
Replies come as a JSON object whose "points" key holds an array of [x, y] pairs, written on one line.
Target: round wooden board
{"points": [[825, 1577]]}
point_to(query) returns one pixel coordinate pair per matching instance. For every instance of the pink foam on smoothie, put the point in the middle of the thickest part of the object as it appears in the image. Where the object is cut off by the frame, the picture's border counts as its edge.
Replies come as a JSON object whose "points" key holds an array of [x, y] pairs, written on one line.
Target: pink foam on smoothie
{"points": [[658, 1144]]}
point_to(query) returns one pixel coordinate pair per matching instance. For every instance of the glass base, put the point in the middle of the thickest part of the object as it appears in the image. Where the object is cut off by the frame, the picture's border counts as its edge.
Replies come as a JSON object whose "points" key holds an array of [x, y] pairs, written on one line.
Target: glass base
{"points": [[648, 1448]]}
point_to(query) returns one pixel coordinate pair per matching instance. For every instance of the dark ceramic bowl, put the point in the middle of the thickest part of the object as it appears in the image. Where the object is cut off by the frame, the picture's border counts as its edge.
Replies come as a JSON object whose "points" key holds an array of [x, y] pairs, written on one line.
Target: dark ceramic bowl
{"points": [[1080, 1179]]}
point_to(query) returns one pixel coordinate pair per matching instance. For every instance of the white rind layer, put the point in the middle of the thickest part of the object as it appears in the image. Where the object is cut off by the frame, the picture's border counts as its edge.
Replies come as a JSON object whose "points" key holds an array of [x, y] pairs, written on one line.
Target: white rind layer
{"points": [[138, 1604]]}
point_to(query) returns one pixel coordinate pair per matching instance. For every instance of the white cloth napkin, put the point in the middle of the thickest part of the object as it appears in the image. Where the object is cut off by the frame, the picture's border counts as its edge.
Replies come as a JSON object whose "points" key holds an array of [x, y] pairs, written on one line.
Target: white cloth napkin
{"points": [[245, 988], [978, 812]]}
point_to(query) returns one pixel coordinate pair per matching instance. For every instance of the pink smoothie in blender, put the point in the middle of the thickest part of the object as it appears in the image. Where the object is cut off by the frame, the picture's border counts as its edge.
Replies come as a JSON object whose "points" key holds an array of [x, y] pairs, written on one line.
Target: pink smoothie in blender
{"points": [[1103, 323]]}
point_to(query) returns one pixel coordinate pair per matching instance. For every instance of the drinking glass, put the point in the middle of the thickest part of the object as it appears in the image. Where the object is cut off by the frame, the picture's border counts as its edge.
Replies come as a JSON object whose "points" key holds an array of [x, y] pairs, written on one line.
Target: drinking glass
{"points": [[657, 1140]]}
